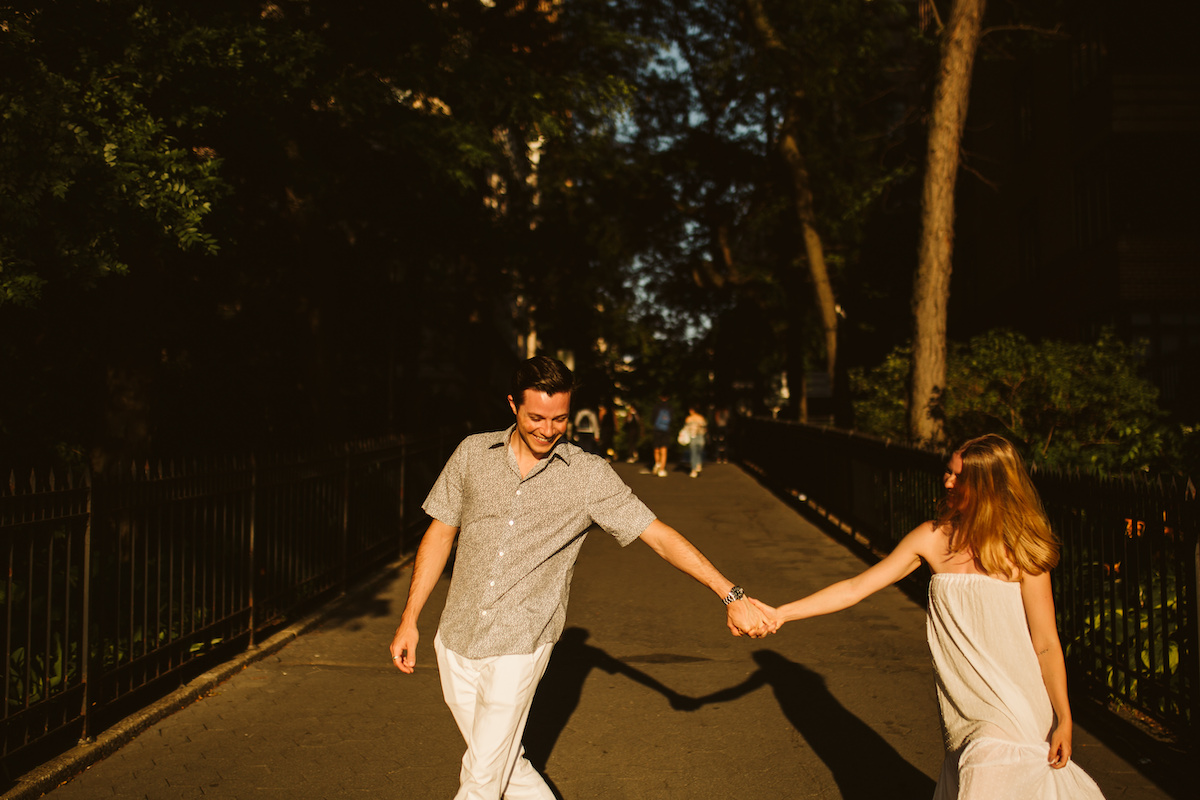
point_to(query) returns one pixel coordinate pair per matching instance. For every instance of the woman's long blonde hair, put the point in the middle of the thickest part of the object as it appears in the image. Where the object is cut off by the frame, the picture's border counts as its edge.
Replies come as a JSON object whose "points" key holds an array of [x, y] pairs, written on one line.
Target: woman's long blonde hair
{"points": [[994, 511]]}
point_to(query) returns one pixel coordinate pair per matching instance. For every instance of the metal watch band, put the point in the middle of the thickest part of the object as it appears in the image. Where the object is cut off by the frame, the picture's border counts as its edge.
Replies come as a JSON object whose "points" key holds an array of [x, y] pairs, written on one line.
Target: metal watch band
{"points": [[736, 593]]}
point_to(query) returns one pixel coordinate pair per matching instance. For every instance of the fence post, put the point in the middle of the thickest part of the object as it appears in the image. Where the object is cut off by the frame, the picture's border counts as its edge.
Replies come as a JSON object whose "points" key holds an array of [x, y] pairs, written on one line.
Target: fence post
{"points": [[891, 500], [1189, 522], [345, 518], [85, 646], [1195, 603], [403, 470], [252, 577]]}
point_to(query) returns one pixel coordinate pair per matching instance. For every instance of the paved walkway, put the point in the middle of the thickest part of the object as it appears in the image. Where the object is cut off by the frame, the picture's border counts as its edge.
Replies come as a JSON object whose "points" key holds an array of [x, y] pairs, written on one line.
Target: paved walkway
{"points": [[647, 695]]}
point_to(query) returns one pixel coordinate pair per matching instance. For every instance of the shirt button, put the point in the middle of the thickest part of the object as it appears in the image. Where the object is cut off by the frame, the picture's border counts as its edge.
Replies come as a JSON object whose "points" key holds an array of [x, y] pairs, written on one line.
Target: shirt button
{"points": [[492, 583], [518, 492], [511, 521], [501, 552], [485, 613]]}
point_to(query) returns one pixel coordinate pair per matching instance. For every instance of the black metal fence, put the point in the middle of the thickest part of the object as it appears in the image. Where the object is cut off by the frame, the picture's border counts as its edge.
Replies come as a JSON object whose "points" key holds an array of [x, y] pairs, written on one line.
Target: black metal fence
{"points": [[121, 586], [1125, 588]]}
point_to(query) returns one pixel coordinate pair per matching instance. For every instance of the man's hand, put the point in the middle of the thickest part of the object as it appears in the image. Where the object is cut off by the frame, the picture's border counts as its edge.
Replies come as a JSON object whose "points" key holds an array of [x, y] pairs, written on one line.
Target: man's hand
{"points": [[431, 560], [741, 615], [770, 614], [404, 648], [745, 618]]}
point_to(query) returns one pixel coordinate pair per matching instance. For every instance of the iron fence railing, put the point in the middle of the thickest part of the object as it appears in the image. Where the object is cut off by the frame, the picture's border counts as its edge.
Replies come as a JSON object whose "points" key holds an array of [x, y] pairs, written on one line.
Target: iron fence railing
{"points": [[1125, 588], [121, 586]]}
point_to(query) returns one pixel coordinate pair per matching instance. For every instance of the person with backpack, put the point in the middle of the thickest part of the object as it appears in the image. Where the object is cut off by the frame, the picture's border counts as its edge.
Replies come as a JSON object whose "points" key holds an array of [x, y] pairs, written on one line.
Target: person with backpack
{"points": [[586, 428]]}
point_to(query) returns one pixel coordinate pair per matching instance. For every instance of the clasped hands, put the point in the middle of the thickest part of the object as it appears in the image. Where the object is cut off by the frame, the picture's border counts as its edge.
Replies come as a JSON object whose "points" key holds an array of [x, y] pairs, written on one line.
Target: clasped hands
{"points": [[749, 617]]}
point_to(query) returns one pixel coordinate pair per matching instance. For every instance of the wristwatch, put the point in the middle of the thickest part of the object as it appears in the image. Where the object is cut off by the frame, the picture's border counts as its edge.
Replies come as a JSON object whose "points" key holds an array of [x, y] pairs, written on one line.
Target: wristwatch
{"points": [[736, 593]]}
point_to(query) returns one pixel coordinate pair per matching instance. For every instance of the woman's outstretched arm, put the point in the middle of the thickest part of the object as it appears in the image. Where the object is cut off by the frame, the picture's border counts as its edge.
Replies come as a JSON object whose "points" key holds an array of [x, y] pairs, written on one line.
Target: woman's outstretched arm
{"points": [[843, 594]]}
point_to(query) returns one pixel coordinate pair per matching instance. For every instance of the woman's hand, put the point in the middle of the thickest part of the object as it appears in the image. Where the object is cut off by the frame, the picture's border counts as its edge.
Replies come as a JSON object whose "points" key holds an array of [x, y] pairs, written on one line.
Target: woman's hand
{"points": [[771, 614], [1060, 745]]}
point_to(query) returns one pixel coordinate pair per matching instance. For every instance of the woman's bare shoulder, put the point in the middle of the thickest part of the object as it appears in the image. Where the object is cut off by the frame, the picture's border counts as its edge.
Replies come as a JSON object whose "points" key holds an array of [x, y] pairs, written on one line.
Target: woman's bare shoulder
{"points": [[928, 531], [931, 542]]}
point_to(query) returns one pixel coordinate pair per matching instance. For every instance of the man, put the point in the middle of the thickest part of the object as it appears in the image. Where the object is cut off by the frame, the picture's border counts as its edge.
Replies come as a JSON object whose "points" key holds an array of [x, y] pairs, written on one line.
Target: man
{"points": [[519, 502], [633, 433], [662, 435]]}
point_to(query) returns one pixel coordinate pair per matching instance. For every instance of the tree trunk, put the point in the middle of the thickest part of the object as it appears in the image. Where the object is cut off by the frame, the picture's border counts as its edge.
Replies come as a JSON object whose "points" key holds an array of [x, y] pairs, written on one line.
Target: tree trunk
{"points": [[789, 147], [813, 248], [931, 290]]}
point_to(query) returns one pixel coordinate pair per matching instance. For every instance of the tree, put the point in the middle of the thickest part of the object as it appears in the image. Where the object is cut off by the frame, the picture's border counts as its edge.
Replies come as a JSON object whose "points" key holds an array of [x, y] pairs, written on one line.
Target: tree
{"points": [[931, 290], [1070, 404], [788, 143], [111, 178], [92, 167], [766, 122], [339, 154]]}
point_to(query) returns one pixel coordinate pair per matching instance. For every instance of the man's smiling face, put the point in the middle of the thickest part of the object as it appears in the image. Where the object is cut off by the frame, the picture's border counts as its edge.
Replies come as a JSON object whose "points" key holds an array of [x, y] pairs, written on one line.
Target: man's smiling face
{"points": [[541, 420]]}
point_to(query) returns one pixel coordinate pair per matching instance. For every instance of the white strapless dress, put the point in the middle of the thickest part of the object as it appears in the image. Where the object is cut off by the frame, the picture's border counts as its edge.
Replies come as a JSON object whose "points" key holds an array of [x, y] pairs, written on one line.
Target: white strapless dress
{"points": [[996, 714]]}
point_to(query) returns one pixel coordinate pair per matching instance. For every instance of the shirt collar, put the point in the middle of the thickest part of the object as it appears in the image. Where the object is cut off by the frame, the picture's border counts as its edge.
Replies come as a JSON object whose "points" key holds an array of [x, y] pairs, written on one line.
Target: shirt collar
{"points": [[561, 449]]}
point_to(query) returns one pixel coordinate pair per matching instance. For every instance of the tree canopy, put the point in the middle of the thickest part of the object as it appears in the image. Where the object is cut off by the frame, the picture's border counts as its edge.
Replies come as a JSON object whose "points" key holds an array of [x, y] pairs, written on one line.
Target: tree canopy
{"points": [[307, 219], [92, 165], [292, 219], [768, 126]]}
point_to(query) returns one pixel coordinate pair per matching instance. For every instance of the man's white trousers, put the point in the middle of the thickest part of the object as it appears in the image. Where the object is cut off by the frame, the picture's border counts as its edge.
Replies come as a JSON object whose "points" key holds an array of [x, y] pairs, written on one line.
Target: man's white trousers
{"points": [[490, 700]]}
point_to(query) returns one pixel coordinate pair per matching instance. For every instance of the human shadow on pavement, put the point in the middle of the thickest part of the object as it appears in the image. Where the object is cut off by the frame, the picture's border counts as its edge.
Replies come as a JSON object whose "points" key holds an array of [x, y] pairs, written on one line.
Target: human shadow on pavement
{"points": [[559, 692], [863, 764]]}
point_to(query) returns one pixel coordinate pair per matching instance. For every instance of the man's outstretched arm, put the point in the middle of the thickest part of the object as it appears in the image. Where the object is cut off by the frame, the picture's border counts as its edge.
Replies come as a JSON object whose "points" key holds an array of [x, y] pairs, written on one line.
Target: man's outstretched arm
{"points": [[427, 568], [742, 616]]}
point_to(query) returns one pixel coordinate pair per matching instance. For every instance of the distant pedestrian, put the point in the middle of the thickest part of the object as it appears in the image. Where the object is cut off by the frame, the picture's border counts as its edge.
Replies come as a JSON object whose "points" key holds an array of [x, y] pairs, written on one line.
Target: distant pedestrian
{"points": [[696, 427], [1001, 679], [632, 432], [719, 429], [662, 435], [520, 502], [587, 426], [608, 429]]}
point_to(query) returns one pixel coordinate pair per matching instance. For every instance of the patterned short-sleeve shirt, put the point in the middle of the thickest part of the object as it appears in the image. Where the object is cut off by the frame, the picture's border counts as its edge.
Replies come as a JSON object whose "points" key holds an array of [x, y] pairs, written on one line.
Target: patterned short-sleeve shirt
{"points": [[519, 537]]}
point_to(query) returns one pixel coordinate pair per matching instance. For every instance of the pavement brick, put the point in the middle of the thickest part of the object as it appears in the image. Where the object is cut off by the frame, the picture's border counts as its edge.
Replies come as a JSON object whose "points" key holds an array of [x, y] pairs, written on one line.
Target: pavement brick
{"points": [[647, 695]]}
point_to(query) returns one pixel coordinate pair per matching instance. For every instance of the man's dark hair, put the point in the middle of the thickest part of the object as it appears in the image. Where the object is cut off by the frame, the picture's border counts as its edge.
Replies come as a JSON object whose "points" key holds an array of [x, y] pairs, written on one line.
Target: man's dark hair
{"points": [[542, 374]]}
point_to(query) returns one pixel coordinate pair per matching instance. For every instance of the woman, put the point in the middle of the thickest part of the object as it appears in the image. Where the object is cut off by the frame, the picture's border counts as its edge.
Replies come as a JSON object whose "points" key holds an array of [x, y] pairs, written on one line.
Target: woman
{"points": [[696, 426], [1001, 680]]}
